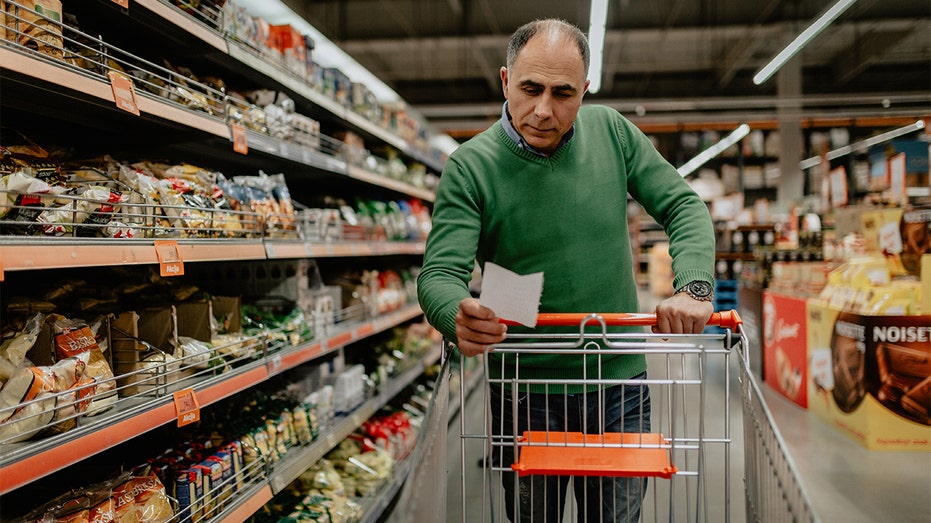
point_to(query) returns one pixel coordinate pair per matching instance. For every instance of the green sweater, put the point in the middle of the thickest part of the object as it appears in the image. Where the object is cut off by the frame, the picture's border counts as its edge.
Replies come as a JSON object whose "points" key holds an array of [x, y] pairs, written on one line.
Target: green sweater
{"points": [[566, 216]]}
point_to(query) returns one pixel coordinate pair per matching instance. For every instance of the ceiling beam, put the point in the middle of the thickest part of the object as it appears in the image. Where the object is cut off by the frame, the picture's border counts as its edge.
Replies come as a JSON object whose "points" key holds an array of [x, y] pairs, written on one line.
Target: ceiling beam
{"points": [[867, 50], [489, 72], [740, 53], [403, 22]]}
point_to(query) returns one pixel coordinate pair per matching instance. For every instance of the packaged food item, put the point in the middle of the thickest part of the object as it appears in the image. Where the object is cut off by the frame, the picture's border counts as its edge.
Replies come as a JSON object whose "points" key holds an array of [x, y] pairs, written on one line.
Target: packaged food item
{"points": [[13, 350], [39, 26], [75, 338], [28, 399], [25, 198]]}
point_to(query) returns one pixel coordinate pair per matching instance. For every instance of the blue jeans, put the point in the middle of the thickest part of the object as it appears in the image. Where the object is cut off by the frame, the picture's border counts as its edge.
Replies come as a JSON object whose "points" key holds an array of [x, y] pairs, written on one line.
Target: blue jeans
{"points": [[626, 408]]}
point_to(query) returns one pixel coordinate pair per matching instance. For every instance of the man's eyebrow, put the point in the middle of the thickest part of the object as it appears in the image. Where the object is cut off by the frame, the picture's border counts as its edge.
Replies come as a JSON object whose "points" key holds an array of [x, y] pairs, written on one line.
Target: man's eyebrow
{"points": [[536, 85], [531, 83]]}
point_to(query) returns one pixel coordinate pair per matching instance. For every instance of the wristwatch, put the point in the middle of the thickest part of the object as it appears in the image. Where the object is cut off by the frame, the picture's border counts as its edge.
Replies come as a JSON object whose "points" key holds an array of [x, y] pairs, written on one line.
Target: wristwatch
{"points": [[698, 290]]}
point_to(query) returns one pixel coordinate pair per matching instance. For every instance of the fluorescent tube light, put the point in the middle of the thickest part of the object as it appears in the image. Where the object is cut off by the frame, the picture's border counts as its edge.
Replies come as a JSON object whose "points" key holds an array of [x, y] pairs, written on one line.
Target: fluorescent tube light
{"points": [[596, 42], [863, 144], [736, 135], [802, 40]]}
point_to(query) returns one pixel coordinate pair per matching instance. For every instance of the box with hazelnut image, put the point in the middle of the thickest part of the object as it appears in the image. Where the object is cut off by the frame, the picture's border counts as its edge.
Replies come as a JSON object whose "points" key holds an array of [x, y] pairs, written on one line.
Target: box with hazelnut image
{"points": [[785, 346], [871, 376]]}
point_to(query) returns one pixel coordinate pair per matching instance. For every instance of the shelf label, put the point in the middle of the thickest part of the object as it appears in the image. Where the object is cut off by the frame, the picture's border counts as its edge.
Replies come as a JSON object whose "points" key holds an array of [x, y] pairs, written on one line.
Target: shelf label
{"points": [[122, 3], [124, 94], [240, 140], [187, 407], [169, 258]]}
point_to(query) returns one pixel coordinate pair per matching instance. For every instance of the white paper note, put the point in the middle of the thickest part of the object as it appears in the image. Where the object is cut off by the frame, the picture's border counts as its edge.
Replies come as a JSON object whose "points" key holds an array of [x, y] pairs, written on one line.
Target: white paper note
{"points": [[512, 296]]}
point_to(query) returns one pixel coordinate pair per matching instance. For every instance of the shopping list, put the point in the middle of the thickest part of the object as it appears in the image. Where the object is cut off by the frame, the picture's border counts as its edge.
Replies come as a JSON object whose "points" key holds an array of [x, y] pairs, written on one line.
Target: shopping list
{"points": [[512, 296]]}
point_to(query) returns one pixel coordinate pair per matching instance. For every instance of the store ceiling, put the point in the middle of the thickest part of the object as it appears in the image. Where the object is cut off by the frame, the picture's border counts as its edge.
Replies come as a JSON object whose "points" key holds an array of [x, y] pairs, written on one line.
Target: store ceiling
{"points": [[667, 62]]}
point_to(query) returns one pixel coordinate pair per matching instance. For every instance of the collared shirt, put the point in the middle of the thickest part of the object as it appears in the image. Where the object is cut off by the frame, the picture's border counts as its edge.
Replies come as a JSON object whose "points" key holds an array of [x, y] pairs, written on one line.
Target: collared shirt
{"points": [[519, 140]]}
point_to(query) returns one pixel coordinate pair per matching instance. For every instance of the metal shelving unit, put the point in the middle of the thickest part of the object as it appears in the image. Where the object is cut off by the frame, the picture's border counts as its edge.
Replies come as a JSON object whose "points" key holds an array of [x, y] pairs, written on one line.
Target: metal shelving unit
{"points": [[54, 89]]}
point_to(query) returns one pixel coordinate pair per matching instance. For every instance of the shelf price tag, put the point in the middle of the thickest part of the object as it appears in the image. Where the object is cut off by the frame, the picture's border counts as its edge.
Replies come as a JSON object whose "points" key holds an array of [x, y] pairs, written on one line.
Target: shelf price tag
{"points": [[169, 258], [240, 140], [124, 94], [122, 3], [187, 407]]}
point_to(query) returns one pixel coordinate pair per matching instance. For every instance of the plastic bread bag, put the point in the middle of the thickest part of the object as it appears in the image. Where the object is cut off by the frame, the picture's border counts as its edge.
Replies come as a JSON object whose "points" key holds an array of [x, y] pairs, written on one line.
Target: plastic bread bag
{"points": [[75, 338], [236, 346], [13, 350], [148, 495], [194, 353], [152, 500], [28, 400]]}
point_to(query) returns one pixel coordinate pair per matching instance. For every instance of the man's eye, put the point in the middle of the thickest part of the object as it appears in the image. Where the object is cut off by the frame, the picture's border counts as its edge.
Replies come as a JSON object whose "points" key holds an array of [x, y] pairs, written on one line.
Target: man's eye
{"points": [[532, 91]]}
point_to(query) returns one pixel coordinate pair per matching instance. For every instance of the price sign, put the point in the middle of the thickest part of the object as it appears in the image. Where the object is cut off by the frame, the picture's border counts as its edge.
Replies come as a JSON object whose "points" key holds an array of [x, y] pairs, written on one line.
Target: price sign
{"points": [[186, 407], [122, 3], [124, 94], [240, 140], [169, 258]]}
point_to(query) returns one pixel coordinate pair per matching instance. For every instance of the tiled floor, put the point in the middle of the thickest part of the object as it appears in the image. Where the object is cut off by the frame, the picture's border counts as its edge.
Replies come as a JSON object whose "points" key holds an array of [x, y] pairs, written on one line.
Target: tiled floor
{"points": [[844, 481]]}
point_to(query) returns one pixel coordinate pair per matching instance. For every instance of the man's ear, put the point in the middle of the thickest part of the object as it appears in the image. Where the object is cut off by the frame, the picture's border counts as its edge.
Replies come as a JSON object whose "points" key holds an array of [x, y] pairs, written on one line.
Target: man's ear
{"points": [[504, 81]]}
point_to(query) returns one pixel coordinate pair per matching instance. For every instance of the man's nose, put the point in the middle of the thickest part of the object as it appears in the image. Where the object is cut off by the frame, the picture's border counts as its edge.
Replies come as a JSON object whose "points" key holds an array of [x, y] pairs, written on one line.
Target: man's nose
{"points": [[544, 107]]}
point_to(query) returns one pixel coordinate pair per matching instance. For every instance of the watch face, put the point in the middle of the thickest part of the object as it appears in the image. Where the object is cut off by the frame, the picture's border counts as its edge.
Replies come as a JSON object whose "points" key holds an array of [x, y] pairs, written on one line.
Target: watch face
{"points": [[700, 288]]}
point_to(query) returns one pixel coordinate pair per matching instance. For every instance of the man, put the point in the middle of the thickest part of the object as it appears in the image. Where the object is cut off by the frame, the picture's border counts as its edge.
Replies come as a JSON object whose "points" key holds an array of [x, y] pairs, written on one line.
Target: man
{"points": [[545, 189]]}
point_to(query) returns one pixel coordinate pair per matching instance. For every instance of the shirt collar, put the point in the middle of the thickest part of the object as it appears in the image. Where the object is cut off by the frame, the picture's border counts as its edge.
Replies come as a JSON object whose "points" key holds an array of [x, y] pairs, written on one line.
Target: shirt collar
{"points": [[519, 140]]}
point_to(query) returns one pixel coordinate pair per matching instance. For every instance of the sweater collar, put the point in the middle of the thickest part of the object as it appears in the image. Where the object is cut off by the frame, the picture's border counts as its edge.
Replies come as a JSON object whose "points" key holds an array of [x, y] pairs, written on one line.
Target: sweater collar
{"points": [[512, 133]]}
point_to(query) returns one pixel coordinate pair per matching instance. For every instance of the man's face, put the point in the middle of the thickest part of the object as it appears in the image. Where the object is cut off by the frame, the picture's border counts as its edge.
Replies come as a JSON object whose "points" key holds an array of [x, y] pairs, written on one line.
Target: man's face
{"points": [[544, 89]]}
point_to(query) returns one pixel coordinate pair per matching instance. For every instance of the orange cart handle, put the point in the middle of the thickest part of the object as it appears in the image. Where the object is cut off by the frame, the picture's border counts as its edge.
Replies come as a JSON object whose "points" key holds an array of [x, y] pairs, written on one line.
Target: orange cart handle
{"points": [[726, 319]]}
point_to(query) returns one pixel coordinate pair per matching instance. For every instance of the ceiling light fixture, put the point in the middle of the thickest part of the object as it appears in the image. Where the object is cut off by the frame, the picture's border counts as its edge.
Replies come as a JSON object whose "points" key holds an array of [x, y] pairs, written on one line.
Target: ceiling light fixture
{"points": [[802, 40], [736, 135], [596, 41], [326, 53], [863, 145]]}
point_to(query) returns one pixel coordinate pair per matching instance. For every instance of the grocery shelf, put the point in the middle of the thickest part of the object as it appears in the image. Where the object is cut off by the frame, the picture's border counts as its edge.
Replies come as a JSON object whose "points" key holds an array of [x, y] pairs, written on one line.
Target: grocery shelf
{"points": [[296, 153], [243, 55], [180, 20], [32, 253], [338, 337], [244, 506], [73, 82], [25, 253], [388, 183], [69, 82], [25, 462], [296, 462], [378, 503]]}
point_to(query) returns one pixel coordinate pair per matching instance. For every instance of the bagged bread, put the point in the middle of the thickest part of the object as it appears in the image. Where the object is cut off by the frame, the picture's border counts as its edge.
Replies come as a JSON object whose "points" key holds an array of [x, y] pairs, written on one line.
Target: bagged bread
{"points": [[38, 24], [74, 338]]}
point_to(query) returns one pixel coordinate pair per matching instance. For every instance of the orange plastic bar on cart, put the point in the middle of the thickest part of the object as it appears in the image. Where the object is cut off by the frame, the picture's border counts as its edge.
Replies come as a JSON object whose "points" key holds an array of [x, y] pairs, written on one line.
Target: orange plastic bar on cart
{"points": [[726, 319], [550, 454]]}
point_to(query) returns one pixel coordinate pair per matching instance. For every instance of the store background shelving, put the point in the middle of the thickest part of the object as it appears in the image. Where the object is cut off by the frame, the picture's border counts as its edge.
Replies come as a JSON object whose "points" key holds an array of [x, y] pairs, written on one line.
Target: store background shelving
{"points": [[37, 88]]}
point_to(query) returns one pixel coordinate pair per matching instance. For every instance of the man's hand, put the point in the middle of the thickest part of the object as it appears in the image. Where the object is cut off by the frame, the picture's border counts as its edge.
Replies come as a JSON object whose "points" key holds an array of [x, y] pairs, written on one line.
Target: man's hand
{"points": [[477, 327], [682, 314]]}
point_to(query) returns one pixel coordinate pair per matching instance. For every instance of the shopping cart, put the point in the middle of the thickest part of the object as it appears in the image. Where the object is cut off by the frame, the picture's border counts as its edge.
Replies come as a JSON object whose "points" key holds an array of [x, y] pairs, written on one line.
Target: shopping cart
{"points": [[671, 462]]}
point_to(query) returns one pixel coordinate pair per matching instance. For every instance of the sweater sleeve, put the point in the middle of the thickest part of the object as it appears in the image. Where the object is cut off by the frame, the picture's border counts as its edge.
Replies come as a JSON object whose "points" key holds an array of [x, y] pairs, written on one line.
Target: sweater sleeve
{"points": [[450, 251], [668, 198]]}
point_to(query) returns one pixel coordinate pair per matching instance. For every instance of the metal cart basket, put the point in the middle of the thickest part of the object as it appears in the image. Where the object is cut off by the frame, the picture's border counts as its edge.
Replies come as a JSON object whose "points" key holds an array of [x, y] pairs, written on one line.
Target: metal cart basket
{"points": [[667, 459]]}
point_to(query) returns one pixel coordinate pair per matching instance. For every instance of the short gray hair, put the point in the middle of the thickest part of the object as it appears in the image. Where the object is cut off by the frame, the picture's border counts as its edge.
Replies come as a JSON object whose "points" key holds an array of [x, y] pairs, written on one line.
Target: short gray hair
{"points": [[527, 31]]}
